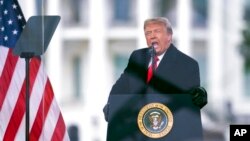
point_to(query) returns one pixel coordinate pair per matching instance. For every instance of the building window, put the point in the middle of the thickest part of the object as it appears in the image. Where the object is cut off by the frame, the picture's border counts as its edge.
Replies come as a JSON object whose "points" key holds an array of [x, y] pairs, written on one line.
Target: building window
{"points": [[120, 51], [166, 8], [74, 12], [123, 12], [199, 13], [122, 8], [74, 56], [77, 76], [199, 52], [120, 62]]}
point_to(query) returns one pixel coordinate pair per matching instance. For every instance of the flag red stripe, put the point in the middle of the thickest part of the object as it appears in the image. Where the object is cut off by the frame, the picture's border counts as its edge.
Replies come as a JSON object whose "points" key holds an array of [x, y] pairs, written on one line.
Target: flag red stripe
{"points": [[42, 113], [16, 116], [59, 131], [19, 109], [6, 76]]}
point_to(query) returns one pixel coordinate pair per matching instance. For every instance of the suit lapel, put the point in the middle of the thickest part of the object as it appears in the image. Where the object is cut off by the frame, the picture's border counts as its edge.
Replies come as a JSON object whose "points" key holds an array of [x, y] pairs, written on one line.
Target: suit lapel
{"points": [[167, 62]]}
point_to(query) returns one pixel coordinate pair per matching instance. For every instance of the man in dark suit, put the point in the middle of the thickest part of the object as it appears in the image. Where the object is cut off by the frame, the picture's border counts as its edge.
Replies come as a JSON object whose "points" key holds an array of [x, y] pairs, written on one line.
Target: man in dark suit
{"points": [[173, 71]]}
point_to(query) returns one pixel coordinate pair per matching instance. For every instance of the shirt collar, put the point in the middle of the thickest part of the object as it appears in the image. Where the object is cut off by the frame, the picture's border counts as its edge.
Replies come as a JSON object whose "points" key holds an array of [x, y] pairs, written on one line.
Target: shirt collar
{"points": [[161, 56]]}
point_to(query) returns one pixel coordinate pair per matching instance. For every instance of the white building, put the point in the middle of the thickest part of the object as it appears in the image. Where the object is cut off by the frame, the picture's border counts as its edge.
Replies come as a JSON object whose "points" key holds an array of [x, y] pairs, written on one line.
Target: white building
{"points": [[94, 39]]}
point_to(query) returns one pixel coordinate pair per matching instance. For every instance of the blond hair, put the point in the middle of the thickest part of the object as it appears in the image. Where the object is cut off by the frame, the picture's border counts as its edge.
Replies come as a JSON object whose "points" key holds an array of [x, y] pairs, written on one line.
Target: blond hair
{"points": [[159, 20]]}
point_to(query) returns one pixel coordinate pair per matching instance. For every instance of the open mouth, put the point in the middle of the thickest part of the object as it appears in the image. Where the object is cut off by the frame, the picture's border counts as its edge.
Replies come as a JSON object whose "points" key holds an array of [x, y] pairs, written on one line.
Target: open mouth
{"points": [[155, 44]]}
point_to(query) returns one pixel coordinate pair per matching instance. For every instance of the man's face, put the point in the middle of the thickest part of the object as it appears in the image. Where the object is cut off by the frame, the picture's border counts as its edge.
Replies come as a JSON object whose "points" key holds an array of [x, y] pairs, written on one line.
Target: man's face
{"points": [[157, 33]]}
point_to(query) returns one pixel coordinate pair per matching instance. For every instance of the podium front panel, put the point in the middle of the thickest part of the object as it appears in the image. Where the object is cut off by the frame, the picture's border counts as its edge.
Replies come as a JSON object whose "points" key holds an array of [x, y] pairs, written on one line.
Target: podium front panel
{"points": [[125, 108]]}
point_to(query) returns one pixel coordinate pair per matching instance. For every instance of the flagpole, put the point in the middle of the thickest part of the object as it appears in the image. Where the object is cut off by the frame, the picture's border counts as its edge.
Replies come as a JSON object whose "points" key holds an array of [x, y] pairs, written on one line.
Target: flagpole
{"points": [[27, 116], [27, 56]]}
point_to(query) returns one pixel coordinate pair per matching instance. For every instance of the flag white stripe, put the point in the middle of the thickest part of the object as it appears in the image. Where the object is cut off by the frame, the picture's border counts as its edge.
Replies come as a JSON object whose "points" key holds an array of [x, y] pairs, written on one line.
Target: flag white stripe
{"points": [[12, 94], [66, 137], [37, 93], [3, 57], [20, 135], [50, 122]]}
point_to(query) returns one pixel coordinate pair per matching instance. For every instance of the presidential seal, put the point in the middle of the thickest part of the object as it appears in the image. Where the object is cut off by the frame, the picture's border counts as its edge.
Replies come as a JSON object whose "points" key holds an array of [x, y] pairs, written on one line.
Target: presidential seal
{"points": [[155, 120]]}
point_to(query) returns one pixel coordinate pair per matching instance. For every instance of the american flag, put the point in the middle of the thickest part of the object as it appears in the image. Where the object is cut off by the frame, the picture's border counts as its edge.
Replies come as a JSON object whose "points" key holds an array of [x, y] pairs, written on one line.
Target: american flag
{"points": [[46, 121]]}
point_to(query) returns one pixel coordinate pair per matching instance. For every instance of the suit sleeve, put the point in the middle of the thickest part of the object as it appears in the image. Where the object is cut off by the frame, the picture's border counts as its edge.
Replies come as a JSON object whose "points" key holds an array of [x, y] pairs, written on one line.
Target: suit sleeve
{"points": [[199, 94], [196, 74]]}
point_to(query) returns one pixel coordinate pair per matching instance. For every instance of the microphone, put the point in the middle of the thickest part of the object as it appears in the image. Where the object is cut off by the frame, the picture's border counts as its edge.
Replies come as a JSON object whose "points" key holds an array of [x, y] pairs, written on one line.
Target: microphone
{"points": [[153, 44], [152, 50], [153, 54]]}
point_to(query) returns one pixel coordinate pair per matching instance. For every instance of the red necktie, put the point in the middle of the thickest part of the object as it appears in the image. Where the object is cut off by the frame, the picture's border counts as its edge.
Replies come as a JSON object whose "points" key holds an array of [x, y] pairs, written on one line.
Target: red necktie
{"points": [[150, 69]]}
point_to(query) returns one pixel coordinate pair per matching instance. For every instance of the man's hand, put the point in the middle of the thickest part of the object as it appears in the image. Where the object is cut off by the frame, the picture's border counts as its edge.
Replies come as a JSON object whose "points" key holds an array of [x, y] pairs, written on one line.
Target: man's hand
{"points": [[199, 96]]}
